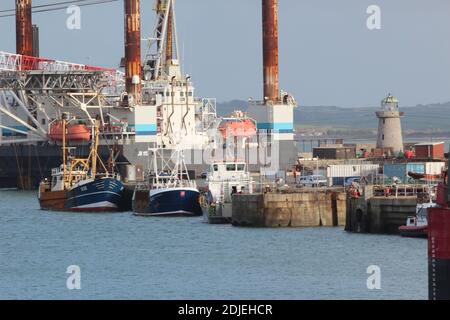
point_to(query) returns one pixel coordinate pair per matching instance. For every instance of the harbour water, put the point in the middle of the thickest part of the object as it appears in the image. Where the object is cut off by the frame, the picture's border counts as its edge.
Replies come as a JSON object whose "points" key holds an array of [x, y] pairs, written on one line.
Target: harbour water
{"points": [[126, 257]]}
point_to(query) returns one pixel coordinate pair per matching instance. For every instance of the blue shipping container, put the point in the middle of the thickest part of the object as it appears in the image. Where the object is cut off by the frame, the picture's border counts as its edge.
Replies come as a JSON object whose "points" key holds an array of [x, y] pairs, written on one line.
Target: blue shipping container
{"points": [[400, 170], [340, 181]]}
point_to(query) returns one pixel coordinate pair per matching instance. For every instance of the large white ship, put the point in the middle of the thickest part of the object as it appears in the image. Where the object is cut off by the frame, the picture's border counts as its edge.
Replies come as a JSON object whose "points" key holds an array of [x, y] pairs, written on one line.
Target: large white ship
{"points": [[35, 92], [138, 107]]}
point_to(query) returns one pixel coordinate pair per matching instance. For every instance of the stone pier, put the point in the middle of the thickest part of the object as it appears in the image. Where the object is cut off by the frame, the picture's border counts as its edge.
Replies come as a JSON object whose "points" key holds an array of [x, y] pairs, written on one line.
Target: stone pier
{"points": [[303, 208], [378, 214]]}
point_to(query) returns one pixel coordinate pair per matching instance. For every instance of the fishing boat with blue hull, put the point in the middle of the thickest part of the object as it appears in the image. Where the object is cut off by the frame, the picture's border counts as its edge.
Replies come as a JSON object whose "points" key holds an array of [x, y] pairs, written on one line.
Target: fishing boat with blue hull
{"points": [[175, 202], [170, 192], [104, 194], [77, 185]]}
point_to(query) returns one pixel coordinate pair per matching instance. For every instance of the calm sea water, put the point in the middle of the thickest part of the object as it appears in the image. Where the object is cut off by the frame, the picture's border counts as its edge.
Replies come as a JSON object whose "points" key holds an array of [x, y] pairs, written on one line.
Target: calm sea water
{"points": [[127, 257]]}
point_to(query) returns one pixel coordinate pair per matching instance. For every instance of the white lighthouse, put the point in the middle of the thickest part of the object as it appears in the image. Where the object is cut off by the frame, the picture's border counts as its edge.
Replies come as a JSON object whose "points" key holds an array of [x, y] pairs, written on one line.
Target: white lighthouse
{"points": [[389, 125]]}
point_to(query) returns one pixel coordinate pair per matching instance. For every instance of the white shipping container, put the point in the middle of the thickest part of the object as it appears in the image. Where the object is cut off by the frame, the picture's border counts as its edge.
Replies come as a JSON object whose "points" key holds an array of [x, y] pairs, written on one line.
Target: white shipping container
{"points": [[351, 170], [320, 172], [434, 167]]}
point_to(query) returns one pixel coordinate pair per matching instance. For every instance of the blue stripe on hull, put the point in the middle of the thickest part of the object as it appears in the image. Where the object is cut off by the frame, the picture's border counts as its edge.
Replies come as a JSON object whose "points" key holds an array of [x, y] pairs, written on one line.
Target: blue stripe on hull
{"points": [[175, 203], [93, 196]]}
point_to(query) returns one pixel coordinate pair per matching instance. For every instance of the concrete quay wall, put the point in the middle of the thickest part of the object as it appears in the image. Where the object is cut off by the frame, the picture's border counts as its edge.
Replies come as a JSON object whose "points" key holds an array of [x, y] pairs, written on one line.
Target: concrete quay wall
{"points": [[379, 215], [299, 209]]}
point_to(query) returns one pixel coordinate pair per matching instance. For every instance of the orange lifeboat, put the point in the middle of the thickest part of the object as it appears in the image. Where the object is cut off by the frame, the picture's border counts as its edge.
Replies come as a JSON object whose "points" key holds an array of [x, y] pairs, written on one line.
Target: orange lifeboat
{"points": [[75, 132], [237, 128]]}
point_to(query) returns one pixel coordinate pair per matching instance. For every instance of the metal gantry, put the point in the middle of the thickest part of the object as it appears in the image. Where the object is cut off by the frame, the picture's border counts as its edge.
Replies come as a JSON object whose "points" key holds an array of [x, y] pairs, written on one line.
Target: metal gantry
{"points": [[160, 47], [25, 82]]}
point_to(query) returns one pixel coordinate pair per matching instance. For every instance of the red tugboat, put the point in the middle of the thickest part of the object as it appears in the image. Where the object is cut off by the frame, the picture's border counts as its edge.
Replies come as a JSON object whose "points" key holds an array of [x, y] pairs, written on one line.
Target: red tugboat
{"points": [[417, 227]]}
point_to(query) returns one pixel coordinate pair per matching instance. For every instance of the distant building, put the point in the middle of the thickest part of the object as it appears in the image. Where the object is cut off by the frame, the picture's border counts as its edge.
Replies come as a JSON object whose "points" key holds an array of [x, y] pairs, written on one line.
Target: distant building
{"points": [[335, 152]]}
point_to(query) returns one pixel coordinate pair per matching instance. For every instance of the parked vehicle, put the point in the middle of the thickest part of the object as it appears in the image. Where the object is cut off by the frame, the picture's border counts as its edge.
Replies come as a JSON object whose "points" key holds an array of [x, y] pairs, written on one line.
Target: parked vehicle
{"points": [[312, 181]]}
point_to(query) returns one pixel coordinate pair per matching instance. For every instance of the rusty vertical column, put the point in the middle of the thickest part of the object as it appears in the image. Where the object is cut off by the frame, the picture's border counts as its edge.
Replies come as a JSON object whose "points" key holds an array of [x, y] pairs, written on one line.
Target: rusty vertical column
{"points": [[169, 39], [270, 49], [24, 28], [133, 48]]}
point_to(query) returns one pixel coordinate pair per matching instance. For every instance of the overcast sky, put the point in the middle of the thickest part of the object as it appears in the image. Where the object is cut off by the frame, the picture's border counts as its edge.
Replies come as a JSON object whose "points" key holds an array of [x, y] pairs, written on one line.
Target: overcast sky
{"points": [[327, 54]]}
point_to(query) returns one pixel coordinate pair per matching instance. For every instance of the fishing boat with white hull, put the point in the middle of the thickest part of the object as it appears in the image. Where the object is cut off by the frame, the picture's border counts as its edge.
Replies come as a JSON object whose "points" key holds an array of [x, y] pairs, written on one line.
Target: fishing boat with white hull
{"points": [[77, 185], [171, 192]]}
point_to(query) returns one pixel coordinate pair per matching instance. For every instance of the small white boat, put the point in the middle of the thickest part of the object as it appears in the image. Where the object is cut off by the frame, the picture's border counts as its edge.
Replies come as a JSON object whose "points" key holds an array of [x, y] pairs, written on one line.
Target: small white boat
{"points": [[224, 179]]}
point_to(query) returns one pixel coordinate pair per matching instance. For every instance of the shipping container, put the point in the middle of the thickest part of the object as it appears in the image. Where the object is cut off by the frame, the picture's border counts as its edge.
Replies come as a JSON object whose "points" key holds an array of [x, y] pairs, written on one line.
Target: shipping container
{"points": [[337, 181], [320, 172], [429, 150], [400, 170], [337, 174], [334, 153], [434, 167]]}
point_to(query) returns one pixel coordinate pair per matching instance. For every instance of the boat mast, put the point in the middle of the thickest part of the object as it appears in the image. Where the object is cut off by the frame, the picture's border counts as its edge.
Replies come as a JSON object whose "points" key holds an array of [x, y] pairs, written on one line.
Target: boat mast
{"points": [[155, 166], [64, 150], [94, 148]]}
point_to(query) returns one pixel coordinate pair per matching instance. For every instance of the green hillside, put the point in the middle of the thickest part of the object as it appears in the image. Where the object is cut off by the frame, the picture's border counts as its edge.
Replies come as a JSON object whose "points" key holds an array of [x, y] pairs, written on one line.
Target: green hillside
{"points": [[432, 117]]}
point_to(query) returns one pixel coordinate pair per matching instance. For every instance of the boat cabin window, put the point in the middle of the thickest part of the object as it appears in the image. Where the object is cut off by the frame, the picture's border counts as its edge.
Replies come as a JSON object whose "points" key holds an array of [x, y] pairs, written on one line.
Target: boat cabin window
{"points": [[231, 167], [241, 167], [215, 167]]}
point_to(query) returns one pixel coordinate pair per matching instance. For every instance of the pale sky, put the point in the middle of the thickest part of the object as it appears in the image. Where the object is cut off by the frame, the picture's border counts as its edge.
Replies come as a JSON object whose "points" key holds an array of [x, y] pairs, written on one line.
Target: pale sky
{"points": [[327, 54]]}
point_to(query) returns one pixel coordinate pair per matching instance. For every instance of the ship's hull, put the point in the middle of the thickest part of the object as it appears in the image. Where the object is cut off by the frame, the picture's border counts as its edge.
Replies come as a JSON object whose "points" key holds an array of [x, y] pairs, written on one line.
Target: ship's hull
{"points": [[414, 231], [100, 195], [217, 213], [173, 202]]}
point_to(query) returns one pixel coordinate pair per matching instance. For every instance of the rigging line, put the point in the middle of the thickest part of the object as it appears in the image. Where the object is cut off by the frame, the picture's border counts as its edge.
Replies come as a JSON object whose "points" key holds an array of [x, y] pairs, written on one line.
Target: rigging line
{"points": [[48, 5], [63, 8]]}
